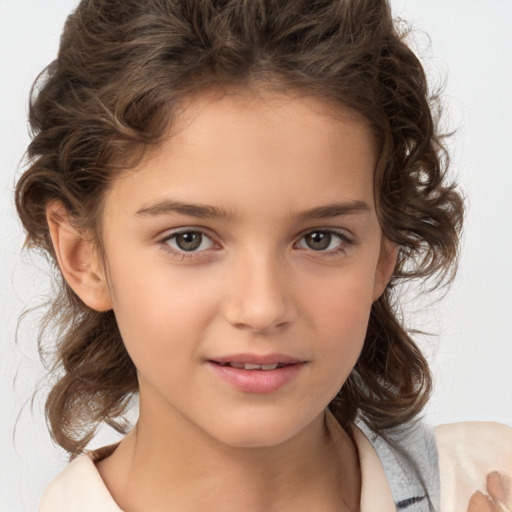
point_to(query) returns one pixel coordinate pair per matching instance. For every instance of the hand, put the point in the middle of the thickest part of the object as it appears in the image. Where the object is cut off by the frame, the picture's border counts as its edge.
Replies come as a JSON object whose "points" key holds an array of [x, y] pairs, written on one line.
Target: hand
{"points": [[498, 499]]}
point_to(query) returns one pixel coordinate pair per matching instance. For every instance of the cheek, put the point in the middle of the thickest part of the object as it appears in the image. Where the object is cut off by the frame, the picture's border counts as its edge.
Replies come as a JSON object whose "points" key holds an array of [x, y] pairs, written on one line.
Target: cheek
{"points": [[344, 323], [162, 316], [340, 316], [342, 302]]}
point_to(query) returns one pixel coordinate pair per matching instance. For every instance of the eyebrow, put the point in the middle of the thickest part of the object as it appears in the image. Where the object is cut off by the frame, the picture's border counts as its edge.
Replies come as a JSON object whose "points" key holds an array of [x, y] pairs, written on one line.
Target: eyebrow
{"points": [[335, 210], [167, 207]]}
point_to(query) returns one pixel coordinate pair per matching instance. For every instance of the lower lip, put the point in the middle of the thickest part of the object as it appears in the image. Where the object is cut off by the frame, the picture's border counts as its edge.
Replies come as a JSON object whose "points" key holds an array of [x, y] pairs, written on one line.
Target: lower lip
{"points": [[257, 381]]}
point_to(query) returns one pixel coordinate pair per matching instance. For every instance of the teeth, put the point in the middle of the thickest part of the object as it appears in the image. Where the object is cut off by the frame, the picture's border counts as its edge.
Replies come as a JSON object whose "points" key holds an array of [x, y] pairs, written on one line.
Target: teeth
{"points": [[249, 366]]}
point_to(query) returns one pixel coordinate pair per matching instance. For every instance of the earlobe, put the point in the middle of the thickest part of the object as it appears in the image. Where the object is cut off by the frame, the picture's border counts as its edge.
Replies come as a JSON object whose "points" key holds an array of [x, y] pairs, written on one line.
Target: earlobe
{"points": [[385, 267], [78, 258]]}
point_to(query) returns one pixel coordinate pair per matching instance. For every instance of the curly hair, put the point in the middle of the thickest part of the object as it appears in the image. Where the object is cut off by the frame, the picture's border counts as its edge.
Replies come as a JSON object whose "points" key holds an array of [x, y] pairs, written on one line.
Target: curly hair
{"points": [[114, 90]]}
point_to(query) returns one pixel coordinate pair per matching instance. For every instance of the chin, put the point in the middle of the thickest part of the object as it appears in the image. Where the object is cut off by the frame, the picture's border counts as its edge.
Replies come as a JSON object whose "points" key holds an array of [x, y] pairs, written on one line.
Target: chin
{"points": [[248, 433]]}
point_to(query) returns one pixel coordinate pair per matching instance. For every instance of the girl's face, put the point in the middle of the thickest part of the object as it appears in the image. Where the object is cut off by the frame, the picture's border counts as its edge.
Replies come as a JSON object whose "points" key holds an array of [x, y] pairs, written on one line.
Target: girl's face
{"points": [[243, 259]]}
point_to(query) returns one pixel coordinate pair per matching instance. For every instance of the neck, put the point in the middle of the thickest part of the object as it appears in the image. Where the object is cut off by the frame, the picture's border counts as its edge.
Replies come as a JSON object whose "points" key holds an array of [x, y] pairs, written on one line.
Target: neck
{"points": [[155, 467]]}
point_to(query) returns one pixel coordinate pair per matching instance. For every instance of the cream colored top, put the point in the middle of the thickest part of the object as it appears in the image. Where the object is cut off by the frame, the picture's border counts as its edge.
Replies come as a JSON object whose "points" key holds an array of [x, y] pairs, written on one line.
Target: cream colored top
{"points": [[468, 452]]}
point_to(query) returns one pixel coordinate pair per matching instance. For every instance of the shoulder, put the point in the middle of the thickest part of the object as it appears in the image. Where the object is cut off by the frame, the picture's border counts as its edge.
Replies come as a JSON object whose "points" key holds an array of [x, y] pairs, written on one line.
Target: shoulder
{"points": [[481, 441], [453, 460], [78, 487], [468, 452]]}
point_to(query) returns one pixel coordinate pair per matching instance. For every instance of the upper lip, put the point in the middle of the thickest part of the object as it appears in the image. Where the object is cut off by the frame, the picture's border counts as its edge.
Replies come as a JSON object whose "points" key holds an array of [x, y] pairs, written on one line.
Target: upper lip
{"points": [[259, 359]]}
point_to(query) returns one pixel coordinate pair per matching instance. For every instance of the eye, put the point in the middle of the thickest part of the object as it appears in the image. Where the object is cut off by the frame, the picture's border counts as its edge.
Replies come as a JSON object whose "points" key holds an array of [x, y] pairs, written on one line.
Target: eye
{"points": [[324, 240], [189, 241]]}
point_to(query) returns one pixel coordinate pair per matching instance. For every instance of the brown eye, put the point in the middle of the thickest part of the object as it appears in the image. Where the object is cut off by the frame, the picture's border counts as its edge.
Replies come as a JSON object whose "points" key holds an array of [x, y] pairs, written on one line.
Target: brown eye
{"points": [[189, 241], [318, 240], [324, 240]]}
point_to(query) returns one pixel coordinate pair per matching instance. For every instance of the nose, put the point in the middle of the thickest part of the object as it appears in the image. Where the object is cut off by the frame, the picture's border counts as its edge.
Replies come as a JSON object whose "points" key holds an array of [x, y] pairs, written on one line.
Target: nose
{"points": [[259, 296]]}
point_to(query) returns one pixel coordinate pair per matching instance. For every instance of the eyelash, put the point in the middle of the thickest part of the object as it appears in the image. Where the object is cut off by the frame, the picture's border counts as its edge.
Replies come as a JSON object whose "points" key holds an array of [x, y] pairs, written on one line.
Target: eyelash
{"points": [[181, 255], [344, 241]]}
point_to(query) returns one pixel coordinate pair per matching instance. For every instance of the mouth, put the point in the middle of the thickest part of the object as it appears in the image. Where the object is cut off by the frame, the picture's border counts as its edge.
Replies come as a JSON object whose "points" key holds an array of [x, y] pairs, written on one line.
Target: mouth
{"points": [[257, 374], [264, 362], [252, 366]]}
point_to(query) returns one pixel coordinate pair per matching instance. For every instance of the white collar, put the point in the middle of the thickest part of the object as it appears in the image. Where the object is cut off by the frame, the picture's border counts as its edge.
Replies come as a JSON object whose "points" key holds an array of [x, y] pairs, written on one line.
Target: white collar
{"points": [[79, 487]]}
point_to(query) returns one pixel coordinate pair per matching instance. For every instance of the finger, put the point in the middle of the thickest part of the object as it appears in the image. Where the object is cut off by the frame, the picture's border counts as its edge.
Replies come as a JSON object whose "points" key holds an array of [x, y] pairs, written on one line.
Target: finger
{"points": [[508, 490], [480, 503], [496, 487]]}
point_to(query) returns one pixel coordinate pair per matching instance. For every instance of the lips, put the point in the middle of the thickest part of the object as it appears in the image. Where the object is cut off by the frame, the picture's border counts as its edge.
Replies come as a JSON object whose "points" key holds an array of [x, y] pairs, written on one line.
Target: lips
{"points": [[257, 374], [250, 366], [256, 360]]}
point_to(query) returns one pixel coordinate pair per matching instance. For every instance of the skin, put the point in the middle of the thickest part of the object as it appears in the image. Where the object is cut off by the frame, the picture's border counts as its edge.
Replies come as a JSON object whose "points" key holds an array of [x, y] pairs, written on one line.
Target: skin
{"points": [[498, 497], [259, 283]]}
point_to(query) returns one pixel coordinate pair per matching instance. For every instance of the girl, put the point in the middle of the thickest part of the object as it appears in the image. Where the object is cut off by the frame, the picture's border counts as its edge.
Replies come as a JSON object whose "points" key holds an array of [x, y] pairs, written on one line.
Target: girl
{"points": [[231, 190]]}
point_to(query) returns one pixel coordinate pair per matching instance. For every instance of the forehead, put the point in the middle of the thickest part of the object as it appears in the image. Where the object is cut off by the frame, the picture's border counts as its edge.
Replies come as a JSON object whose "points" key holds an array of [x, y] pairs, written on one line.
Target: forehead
{"points": [[281, 149], [257, 109]]}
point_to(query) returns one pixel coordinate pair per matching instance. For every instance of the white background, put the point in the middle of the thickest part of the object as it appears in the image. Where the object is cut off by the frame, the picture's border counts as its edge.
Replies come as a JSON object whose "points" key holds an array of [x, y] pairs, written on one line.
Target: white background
{"points": [[470, 47]]}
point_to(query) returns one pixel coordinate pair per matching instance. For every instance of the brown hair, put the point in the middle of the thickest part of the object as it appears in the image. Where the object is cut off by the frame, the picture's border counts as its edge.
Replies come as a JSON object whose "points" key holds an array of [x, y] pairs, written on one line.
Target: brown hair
{"points": [[122, 69]]}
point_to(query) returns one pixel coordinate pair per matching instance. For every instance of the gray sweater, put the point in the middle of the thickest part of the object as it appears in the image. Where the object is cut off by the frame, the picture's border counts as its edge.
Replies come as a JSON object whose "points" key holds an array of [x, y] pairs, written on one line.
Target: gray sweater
{"points": [[403, 471]]}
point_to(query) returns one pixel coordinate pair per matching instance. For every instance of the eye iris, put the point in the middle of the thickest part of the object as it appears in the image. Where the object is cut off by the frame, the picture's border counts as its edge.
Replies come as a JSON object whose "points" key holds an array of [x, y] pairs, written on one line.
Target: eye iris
{"points": [[188, 241], [318, 240]]}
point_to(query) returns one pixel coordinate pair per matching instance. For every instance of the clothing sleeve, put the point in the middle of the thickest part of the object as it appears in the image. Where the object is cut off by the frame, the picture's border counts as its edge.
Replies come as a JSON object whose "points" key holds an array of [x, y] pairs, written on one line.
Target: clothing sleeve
{"points": [[468, 453]]}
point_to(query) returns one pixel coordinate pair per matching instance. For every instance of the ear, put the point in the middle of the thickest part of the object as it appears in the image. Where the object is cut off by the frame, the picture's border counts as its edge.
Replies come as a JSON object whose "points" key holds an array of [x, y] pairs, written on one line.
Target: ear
{"points": [[78, 258], [385, 267]]}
